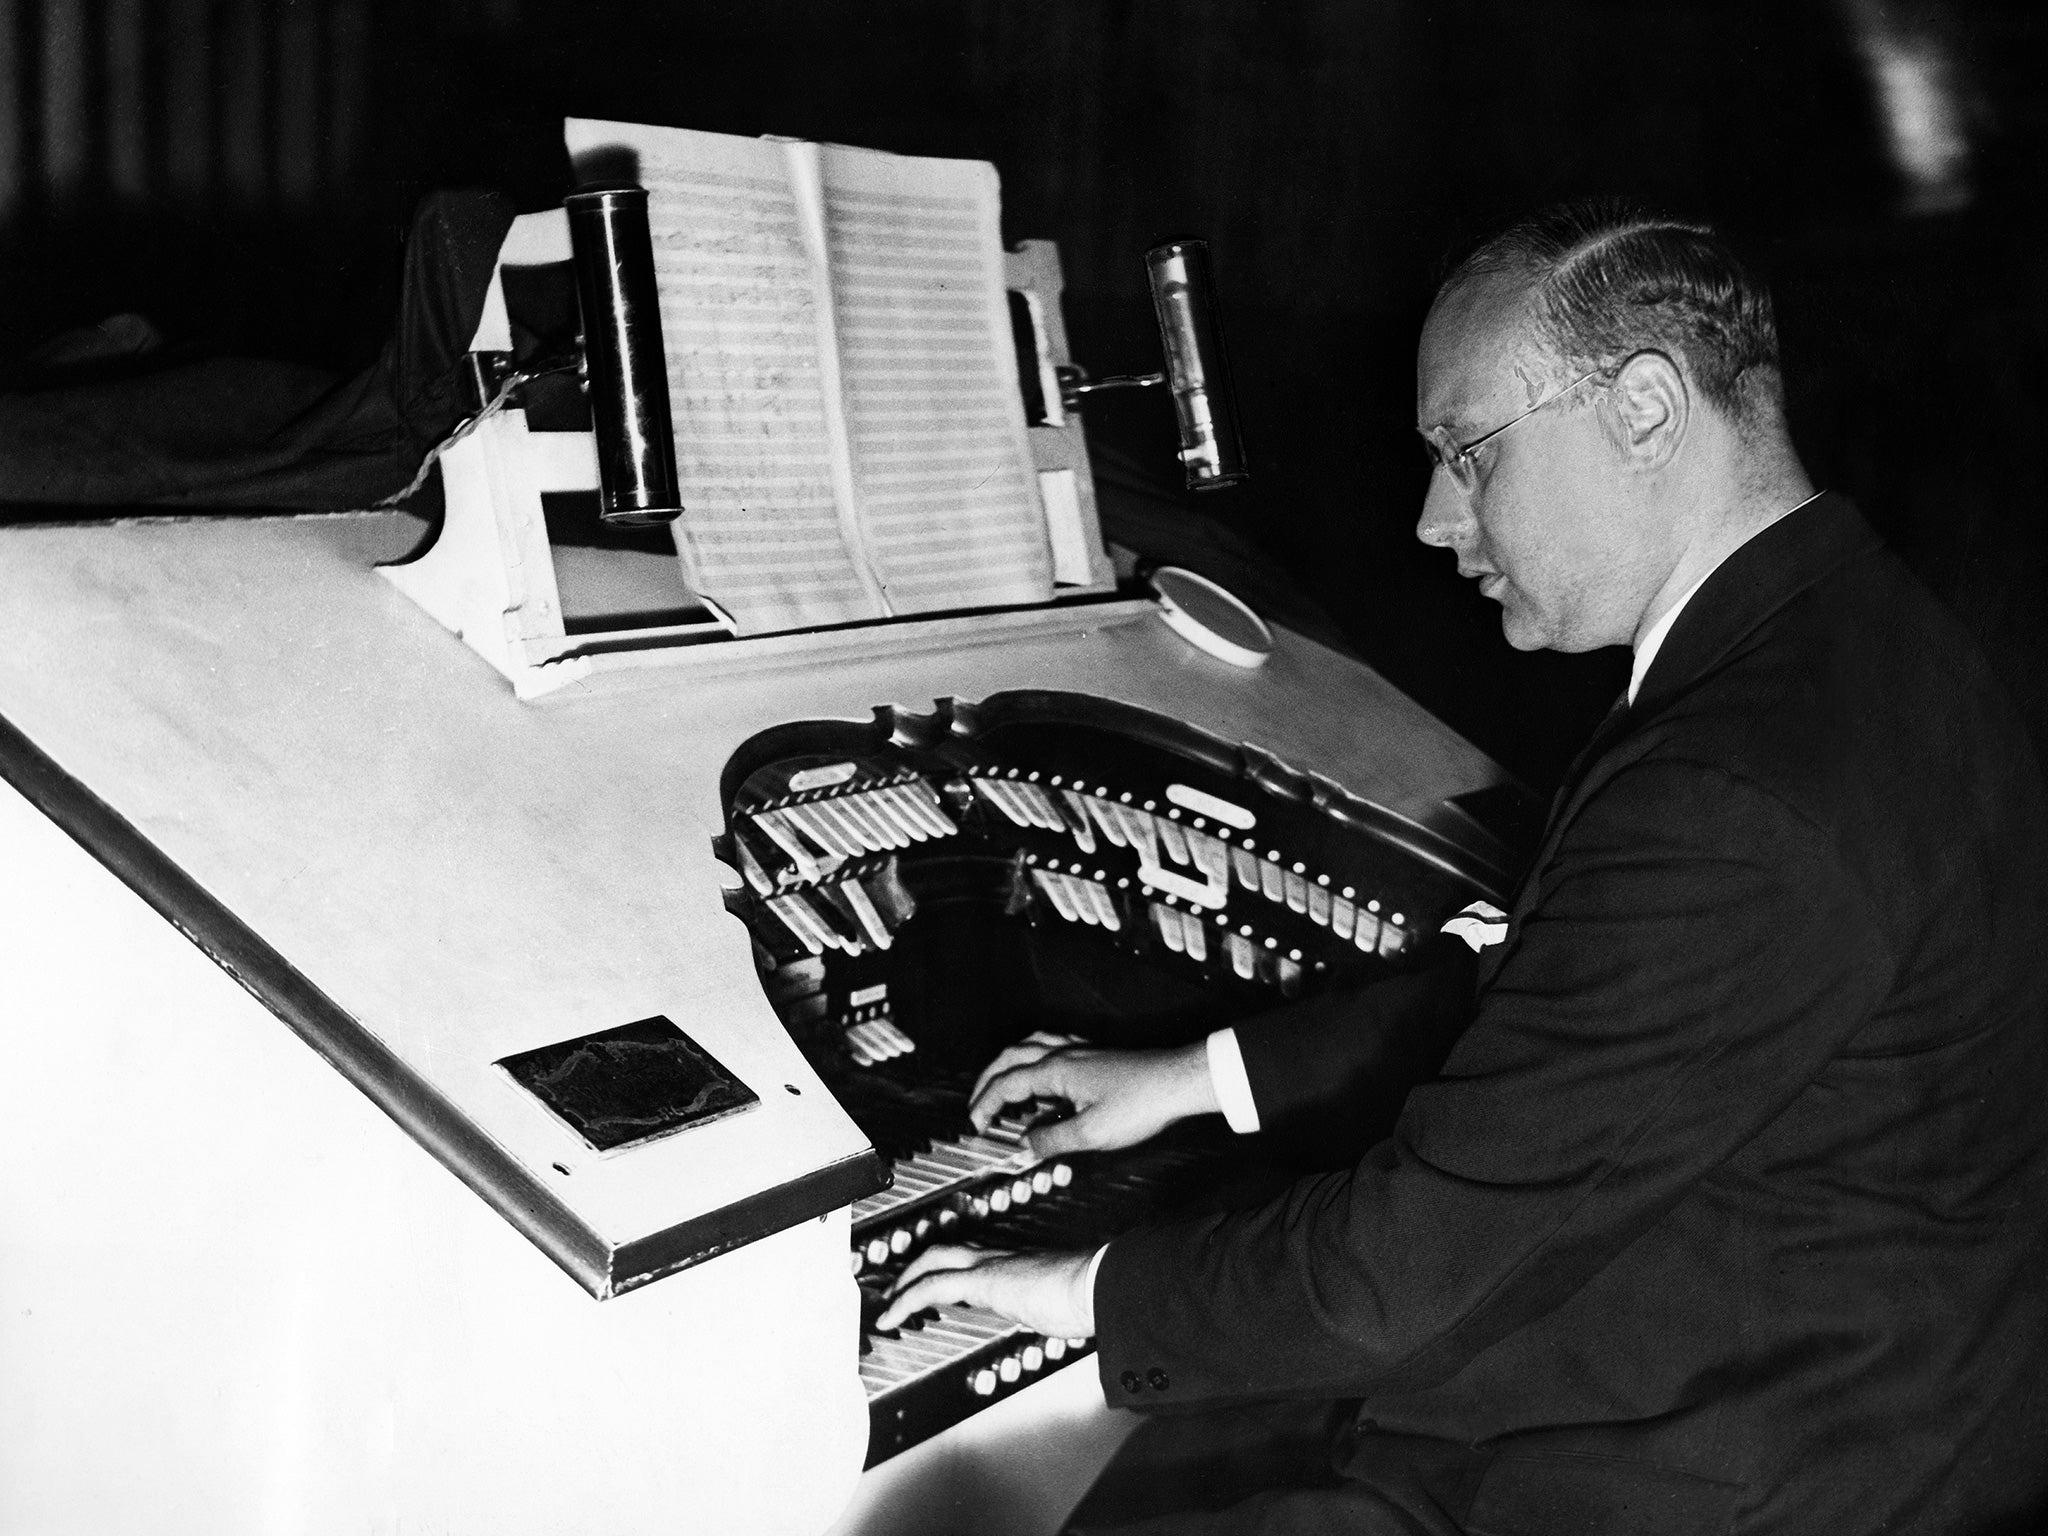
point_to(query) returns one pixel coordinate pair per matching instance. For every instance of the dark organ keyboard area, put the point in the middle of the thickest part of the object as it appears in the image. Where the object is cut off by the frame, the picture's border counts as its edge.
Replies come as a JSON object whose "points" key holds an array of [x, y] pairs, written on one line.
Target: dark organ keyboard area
{"points": [[923, 890]]}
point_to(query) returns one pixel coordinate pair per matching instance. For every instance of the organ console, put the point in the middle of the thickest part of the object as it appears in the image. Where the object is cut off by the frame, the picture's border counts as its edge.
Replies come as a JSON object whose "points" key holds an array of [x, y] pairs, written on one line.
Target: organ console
{"points": [[676, 941], [925, 889]]}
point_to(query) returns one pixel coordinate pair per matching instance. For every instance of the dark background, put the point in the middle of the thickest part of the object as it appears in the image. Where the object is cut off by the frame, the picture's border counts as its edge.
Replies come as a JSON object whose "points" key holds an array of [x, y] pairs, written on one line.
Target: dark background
{"points": [[242, 171]]}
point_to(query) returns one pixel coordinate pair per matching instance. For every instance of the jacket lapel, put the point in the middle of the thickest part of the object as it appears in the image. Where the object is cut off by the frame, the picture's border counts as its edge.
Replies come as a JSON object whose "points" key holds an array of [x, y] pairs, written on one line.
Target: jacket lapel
{"points": [[1750, 586]]}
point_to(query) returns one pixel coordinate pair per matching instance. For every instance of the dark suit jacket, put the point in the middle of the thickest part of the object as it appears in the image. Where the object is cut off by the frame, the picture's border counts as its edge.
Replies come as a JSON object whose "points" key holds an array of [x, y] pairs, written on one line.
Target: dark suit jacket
{"points": [[1727, 1210]]}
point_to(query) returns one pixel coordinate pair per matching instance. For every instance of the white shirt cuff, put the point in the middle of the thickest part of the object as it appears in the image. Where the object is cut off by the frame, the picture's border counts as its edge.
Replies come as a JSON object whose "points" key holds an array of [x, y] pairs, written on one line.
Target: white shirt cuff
{"points": [[1233, 1087]]}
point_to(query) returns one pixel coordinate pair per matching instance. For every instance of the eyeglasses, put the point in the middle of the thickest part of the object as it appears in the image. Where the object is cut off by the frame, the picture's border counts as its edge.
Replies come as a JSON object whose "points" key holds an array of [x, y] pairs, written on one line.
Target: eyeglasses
{"points": [[1455, 458]]}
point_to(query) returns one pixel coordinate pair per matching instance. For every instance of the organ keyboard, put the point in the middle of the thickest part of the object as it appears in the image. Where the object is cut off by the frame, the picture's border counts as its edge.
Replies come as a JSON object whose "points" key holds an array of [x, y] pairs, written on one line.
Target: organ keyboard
{"points": [[1079, 865]]}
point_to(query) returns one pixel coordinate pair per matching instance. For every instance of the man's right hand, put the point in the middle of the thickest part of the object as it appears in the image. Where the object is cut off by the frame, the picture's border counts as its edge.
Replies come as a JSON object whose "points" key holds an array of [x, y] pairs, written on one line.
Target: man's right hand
{"points": [[1120, 1098]]}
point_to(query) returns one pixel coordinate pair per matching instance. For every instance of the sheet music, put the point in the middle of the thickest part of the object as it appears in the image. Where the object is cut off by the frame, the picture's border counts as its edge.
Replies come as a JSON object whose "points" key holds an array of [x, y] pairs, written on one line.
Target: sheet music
{"points": [[761, 532], [930, 501], [949, 497]]}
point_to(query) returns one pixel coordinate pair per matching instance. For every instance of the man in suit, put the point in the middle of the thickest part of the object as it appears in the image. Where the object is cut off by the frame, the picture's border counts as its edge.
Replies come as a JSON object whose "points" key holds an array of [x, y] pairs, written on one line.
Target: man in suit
{"points": [[1727, 1209]]}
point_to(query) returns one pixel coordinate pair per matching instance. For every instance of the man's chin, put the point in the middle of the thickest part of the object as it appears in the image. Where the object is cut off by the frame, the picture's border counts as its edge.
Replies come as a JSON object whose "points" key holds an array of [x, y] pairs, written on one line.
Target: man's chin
{"points": [[1522, 634]]}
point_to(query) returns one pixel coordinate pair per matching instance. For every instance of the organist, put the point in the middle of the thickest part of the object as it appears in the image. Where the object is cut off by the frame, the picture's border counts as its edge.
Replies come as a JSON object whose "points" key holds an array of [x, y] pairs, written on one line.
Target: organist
{"points": [[1726, 1211]]}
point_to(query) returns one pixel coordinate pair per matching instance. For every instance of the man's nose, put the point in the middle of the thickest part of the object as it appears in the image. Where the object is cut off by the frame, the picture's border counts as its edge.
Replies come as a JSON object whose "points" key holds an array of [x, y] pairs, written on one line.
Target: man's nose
{"points": [[1446, 518]]}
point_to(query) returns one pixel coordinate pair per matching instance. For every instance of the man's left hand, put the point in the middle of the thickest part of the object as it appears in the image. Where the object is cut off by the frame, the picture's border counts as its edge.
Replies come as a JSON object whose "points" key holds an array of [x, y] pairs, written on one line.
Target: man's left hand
{"points": [[1046, 1292]]}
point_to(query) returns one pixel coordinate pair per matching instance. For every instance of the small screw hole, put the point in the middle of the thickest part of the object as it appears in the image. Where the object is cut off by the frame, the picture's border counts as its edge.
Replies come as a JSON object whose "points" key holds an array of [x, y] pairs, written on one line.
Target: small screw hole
{"points": [[564, 1172], [792, 1087]]}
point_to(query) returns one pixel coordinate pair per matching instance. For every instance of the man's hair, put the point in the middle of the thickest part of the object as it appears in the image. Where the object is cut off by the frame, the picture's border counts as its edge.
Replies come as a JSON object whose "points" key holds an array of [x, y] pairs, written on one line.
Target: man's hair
{"points": [[1608, 278]]}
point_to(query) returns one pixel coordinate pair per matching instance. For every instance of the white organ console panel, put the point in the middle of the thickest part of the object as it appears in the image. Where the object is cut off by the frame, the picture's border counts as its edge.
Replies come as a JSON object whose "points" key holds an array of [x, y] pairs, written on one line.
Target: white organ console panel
{"points": [[605, 1004]]}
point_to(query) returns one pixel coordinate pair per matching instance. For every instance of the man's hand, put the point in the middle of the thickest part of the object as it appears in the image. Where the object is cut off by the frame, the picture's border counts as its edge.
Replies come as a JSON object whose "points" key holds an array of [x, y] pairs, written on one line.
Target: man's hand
{"points": [[1120, 1098], [1046, 1292]]}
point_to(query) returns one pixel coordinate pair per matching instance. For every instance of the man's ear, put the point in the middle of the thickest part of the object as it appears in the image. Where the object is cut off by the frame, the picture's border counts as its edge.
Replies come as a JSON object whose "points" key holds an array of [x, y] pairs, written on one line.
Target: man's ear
{"points": [[1653, 407]]}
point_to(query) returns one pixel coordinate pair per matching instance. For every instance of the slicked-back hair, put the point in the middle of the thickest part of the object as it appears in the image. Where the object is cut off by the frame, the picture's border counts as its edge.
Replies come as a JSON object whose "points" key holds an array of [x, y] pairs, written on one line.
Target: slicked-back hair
{"points": [[1608, 278]]}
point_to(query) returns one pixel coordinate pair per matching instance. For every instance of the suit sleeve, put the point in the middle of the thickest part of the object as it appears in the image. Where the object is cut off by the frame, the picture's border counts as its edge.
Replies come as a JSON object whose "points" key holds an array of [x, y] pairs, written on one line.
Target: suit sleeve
{"points": [[1687, 961], [1351, 1057]]}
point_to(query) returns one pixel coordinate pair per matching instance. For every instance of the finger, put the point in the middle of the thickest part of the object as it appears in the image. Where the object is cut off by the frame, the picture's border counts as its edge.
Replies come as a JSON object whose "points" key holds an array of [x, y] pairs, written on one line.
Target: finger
{"points": [[939, 1257], [1084, 1132], [1054, 1037], [1023, 1054], [1032, 1048], [935, 1290], [1041, 1079], [952, 1276]]}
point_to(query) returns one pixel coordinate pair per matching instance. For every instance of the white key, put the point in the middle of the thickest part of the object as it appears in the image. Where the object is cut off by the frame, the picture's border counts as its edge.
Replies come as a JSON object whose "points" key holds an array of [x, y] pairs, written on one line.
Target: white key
{"points": [[895, 1036], [1167, 921], [864, 909], [883, 807], [805, 935], [822, 831], [994, 792], [1098, 896], [757, 878], [864, 1037], [1055, 888], [1076, 811], [878, 1378], [1078, 896], [1211, 856], [783, 834], [1106, 818], [1140, 833], [1272, 884], [1246, 867], [1173, 839], [917, 802], [1038, 805], [857, 813]]}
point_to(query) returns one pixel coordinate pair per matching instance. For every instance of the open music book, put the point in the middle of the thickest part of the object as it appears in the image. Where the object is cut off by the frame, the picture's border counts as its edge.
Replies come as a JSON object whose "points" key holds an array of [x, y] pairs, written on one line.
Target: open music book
{"points": [[850, 439]]}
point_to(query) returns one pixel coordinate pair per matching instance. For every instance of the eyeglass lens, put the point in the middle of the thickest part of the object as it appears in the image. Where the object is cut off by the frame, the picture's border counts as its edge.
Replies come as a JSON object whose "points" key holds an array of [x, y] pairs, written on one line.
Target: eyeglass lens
{"points": [[1444, 453]]}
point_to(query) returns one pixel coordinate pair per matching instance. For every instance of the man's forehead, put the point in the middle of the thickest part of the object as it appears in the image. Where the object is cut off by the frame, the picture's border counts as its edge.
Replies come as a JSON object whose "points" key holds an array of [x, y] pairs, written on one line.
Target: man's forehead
{"points": [[1479, 355]]}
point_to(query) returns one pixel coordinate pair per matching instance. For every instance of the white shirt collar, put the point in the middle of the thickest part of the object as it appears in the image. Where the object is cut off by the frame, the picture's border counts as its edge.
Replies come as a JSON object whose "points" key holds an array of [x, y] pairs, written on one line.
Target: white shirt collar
{"points": [[1650, 644]]}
